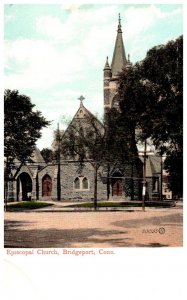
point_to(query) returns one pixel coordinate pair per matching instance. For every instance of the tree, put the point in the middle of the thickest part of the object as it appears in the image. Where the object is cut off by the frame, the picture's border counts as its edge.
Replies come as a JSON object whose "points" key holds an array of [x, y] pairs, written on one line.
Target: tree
{"points": [[48, 155], [121, 148], [22, 125], [22, 128], [174, 166], [151, 99]]}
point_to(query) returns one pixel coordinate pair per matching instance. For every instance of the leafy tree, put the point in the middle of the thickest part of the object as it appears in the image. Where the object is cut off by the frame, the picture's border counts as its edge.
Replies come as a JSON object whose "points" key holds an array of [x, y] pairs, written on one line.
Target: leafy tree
{"points": [[121, 148], [163, 68], [174, 166], [22, 128], [151, 99], [47, 154], [57, 138], [22, 125]]}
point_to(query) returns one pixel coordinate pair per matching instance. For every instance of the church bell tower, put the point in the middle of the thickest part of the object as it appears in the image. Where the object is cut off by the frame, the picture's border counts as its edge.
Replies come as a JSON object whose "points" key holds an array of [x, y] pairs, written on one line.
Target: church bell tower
{"points": [[119, 62]]}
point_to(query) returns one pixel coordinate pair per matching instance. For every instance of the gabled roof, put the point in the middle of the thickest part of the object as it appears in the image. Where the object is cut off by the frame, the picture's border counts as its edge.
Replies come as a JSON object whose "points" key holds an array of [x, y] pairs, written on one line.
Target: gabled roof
{"points": [[153, 165], [82, 112], [37, 157], [81, 115]]}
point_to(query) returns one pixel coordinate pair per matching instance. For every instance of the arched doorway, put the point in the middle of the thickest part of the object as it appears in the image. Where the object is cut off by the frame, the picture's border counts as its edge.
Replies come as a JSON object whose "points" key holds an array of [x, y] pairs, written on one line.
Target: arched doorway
{"points": [[117, 185], [24, 186], [46, 186]]}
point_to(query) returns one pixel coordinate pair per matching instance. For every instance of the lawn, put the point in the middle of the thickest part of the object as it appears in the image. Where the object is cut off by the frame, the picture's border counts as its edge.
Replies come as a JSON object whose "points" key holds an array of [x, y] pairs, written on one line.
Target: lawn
{"points": [[24, 205], [123, 204]]}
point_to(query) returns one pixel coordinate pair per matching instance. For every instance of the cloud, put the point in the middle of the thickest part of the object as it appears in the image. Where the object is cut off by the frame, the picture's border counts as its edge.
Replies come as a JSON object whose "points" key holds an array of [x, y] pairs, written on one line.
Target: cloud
{"points": [[52, 27], [40, 64], [141, 28], [66, 48], [71, 7], [139, 19], [76, 24], [67, 57], [62, 53], [10, 16]]}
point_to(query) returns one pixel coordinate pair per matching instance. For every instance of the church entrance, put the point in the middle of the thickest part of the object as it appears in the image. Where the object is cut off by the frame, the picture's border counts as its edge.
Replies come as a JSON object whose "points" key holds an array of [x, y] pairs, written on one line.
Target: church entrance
{"points": [[46, 186], [24, 186], [117, 185]]}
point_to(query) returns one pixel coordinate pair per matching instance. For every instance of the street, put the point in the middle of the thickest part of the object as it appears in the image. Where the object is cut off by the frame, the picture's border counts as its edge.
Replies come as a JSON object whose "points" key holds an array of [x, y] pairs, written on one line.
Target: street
{"points": [[63, 229]]}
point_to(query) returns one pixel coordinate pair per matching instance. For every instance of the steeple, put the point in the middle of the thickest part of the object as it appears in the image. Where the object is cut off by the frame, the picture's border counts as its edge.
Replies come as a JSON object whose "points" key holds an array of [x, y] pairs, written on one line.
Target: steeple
{"points": [[119, 58], [128, 64], [107, 66], [119, 25], [107, 71]]}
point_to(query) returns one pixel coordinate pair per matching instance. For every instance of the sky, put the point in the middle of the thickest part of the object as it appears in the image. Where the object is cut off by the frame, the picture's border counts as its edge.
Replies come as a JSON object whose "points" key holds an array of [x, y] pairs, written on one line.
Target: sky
{"points": [[54, 53]]}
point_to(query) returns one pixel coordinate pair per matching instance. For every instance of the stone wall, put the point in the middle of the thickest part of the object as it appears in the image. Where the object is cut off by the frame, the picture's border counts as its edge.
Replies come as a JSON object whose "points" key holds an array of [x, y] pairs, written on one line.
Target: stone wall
{"points": [[69, 172]]}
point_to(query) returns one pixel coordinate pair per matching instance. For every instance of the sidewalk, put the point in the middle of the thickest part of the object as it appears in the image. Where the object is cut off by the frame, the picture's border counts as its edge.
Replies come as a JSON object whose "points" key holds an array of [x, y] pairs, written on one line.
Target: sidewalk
{"points": [[59, 206]]}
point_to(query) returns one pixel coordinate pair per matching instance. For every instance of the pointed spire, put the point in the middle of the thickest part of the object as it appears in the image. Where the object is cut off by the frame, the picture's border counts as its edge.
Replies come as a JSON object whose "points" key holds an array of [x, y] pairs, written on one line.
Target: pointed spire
{"points": [[119, 25], [119, 57], [128, 64], [107, 66]]}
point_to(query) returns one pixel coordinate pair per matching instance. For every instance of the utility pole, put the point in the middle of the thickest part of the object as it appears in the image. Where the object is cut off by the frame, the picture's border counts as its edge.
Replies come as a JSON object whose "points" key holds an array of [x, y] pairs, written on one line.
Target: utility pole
{"points": [[161, 177], [144, 176], [58, 162], [6, 186], [5, 189]]}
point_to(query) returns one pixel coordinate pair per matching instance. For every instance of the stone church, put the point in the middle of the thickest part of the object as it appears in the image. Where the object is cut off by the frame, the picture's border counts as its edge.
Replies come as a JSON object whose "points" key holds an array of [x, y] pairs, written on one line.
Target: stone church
{"points": [[65, 180]]}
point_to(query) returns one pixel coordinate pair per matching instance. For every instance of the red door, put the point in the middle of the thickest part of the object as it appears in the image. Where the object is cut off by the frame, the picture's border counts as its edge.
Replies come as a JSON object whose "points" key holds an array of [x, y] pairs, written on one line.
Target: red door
{"points": [[46, 186], [117, 187]]}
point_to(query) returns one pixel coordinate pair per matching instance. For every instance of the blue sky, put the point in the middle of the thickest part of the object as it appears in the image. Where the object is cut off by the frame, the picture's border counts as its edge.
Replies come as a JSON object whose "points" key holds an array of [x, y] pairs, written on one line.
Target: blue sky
{"points": [[55, 53]]}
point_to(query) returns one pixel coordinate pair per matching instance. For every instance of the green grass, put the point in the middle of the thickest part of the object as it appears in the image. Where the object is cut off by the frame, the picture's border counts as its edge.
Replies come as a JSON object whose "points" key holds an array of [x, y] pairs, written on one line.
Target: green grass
{"points": [[121, 204], [105, 204], [27, 205]]}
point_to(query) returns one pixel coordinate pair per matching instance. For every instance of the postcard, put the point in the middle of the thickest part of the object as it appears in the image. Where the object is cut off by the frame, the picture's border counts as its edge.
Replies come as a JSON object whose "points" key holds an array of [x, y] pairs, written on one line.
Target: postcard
{"points": [[93, 150]]}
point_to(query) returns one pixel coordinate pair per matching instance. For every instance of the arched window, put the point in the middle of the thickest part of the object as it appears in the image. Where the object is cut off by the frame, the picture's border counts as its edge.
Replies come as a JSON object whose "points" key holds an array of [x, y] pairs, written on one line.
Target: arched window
{"points": [[85, 183], [155, 184], [77, 183], [81, 131], [81, 183]]}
